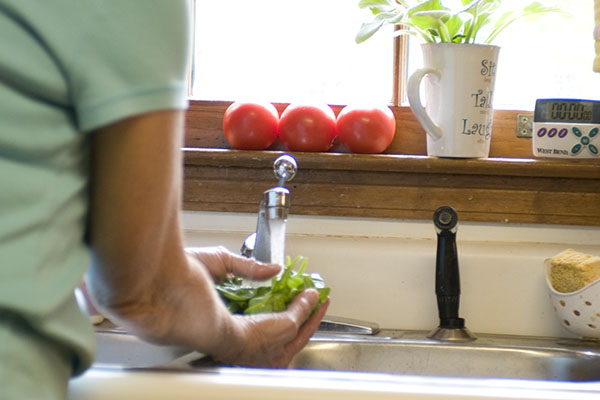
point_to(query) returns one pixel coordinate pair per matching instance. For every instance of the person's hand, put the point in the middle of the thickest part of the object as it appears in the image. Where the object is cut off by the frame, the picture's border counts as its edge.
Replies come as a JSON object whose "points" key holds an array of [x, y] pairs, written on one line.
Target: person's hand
{"points": [[273, 339], [267, 339], [219, 262]]}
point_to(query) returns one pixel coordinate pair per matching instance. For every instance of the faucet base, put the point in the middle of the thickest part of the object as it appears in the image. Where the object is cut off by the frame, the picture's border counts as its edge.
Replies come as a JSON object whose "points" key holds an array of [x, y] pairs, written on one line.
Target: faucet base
{"points": [[459, 335]]}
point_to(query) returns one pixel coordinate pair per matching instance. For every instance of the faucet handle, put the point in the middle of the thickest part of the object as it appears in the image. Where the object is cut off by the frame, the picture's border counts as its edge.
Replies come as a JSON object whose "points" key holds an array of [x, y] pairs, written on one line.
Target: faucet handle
{"points": [[285, 168], [248, 246], [445, 218]]}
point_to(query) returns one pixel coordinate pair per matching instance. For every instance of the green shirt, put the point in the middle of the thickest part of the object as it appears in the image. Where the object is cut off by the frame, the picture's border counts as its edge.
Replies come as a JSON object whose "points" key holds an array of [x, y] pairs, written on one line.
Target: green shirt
{"points": [[68, 67]]}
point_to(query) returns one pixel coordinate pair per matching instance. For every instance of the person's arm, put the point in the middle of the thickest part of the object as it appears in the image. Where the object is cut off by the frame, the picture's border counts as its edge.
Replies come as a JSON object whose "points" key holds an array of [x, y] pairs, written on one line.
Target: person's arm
{"points": [[142, 277]]}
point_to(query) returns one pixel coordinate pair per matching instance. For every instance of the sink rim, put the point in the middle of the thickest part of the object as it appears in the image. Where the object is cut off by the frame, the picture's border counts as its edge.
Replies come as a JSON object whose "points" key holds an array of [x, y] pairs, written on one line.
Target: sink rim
{"points": [[571, 349], [327, 383], [530, 358], [405, 336]]}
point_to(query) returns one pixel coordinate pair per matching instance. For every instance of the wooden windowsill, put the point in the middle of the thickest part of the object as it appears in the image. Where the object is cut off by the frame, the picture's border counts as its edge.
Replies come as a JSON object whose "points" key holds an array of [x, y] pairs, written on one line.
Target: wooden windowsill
{"points": [[515, 189]]}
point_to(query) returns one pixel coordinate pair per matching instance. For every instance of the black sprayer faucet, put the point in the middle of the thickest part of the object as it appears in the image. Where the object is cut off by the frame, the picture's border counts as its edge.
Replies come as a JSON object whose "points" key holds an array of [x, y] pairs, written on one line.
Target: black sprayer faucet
{"points": [[447, 278]]}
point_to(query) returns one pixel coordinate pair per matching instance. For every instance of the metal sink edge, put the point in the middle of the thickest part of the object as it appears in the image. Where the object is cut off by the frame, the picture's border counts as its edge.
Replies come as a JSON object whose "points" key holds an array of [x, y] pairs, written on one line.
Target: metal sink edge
{"points": [[396, 352]]}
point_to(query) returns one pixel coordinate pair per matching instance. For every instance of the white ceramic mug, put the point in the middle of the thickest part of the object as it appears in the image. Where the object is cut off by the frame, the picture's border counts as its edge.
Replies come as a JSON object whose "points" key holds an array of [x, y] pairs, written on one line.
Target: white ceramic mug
{"points": [[459, 91]]}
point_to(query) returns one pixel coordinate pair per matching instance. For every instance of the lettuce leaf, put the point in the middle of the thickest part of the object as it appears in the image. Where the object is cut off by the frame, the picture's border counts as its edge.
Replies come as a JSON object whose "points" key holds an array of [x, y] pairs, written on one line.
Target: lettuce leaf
{"points": [[275, 297]]}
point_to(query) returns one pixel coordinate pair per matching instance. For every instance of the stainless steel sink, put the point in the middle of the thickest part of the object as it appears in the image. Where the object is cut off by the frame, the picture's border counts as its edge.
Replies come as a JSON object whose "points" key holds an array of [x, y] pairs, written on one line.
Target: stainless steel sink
{"points": [[394, 352], [116, 347], [489, 356]]}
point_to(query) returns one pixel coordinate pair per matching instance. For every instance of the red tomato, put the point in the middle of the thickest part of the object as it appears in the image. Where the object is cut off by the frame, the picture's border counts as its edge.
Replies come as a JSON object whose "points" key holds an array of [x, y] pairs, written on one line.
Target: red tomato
{"points": [[251, 126], [366, 129], [307, 127]]}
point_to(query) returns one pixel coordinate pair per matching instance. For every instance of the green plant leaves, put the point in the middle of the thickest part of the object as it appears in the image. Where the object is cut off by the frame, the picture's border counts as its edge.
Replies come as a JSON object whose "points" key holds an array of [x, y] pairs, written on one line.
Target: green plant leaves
{"points": [[428, 5], [386, 12], [368, 29], [432, 21], [384, 5], [457, 26], [535, 9]]}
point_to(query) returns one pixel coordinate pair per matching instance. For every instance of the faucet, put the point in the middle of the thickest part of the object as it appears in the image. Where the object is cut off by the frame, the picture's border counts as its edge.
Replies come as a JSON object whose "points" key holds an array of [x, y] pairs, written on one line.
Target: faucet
{"points": [[267, 244], [447, 279]]}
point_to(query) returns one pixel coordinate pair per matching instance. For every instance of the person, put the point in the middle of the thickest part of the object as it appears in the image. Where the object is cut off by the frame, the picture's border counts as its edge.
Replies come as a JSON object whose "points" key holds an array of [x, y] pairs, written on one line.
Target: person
{"points": [[92, 103]]}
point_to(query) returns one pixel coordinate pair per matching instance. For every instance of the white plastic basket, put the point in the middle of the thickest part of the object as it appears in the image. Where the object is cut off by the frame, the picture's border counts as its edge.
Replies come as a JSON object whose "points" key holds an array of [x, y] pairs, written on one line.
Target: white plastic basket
{"points": [[579, 311]]}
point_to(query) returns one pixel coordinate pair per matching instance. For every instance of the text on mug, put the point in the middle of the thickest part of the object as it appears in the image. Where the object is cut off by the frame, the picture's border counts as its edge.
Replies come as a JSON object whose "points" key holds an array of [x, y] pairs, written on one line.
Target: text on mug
{"points": [[484, 130], [488, 67]]}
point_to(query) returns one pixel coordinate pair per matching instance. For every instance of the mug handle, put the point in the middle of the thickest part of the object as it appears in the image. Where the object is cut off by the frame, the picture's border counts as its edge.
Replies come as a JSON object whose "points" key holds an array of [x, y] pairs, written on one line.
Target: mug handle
{"points": [[414, 99]]}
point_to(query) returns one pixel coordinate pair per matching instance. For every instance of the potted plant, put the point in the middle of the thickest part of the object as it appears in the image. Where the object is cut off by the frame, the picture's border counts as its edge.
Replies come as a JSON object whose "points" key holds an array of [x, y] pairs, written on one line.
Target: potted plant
{"points": [[434, 22], [459, 63]]}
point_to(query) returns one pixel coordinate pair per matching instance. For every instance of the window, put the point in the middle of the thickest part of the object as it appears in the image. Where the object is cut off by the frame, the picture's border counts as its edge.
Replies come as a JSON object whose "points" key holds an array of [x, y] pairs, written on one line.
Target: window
{"points": [[549, 57], [284, 50]]}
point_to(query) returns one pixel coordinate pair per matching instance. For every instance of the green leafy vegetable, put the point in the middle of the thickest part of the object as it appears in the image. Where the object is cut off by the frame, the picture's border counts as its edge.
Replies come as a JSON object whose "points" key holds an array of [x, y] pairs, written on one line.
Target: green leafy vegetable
{"points": [[435, 22], [277, 296]]}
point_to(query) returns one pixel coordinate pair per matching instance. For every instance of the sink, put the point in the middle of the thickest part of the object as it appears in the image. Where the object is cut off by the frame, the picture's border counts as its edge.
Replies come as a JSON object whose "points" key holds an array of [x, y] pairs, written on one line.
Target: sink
{"points": [[489, 356], [395, 352], [118, 348]]}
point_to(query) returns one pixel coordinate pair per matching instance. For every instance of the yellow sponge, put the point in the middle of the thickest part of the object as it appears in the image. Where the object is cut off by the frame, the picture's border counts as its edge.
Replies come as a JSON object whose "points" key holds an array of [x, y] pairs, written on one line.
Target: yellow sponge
{"points": [[571, 270]]}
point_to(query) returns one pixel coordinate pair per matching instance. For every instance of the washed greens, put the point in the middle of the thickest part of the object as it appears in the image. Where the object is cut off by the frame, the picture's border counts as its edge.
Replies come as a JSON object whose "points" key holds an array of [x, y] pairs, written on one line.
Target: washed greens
{"points": [[277, 296]]}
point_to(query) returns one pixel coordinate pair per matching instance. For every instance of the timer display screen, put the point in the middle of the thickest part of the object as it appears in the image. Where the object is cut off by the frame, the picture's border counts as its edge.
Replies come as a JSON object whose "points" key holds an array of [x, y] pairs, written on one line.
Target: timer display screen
{"points": [[570, 111], [574, 111]]}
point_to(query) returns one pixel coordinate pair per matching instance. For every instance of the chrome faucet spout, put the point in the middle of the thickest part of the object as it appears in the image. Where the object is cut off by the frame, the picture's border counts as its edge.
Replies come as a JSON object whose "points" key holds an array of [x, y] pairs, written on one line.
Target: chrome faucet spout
{"points": [[267, 244], [270, 241]]}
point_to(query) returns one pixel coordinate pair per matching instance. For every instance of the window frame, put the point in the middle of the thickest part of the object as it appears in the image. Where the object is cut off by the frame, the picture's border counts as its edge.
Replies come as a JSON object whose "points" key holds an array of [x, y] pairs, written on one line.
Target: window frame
{"points": [[400, 69], [403, 183], [509, 187]]}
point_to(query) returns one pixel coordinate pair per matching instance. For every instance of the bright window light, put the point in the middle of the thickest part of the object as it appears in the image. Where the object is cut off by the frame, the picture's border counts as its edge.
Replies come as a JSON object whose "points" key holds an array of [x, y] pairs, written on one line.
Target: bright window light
{"points": [[284, 51]]}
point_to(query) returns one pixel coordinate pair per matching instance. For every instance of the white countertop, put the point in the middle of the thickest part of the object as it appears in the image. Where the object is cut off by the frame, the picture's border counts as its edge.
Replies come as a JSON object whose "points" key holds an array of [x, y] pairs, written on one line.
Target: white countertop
{"points": [[235, 383]]}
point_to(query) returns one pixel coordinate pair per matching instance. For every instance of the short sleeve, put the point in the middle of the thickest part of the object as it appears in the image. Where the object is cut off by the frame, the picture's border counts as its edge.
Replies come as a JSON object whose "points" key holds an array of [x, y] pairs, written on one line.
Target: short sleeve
{"points": [[131, 58]]}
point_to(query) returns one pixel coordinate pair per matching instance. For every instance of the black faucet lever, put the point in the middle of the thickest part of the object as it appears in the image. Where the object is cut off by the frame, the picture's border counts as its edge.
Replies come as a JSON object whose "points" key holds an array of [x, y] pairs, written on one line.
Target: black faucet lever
{"points": [[447, 277]]}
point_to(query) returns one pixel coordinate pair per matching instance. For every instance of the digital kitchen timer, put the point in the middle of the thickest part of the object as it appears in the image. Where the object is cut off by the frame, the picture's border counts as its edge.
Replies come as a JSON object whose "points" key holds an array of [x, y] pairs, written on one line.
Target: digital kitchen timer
{"points": [[566, 128]]}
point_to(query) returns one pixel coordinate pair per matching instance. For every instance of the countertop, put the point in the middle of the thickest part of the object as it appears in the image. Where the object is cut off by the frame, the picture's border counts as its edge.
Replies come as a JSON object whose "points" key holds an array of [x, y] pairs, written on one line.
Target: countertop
{"points": [[235, 383]]}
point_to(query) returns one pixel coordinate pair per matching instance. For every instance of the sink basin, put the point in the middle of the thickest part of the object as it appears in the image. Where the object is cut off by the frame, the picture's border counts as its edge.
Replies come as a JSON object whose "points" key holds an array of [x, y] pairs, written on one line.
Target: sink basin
{"points": [[395, 352], [489, 356], [116, 347]]}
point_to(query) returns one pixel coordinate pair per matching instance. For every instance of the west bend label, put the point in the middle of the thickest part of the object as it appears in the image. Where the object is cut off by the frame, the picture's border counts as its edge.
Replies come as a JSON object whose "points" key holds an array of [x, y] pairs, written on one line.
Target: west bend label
{"points": [[566, 140]]}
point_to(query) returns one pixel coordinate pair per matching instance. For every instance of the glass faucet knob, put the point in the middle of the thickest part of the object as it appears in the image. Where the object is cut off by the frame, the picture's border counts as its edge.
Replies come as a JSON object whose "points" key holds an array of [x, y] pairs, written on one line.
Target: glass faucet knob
{"points": [[285, 168]]}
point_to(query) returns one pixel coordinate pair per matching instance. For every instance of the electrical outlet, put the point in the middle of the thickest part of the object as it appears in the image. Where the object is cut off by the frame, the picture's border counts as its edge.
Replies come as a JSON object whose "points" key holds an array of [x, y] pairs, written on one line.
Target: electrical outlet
{"points": [[524, 125]]}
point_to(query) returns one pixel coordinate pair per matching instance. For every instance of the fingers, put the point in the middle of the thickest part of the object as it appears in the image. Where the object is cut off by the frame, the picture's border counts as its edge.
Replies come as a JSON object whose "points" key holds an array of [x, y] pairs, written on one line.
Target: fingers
{"points": [[302, 326], [284, 326], [273, 339], [301, 307], [220, 261], [251, 269], [306, 330], [295, 328]]}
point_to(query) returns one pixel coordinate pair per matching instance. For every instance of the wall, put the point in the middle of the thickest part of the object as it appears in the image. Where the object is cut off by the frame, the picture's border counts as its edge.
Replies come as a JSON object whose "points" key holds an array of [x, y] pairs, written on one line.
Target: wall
{"points": [[383, 270]]}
